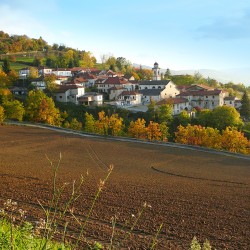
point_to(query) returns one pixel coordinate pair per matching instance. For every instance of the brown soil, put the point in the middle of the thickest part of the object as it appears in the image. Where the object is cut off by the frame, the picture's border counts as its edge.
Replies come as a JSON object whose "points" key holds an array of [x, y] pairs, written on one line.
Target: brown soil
{"points": [[192, 193]]}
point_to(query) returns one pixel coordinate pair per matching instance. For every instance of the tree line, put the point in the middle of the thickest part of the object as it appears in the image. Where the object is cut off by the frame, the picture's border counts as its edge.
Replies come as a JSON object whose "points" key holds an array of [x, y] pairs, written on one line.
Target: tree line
{"points": [[223, 133]]}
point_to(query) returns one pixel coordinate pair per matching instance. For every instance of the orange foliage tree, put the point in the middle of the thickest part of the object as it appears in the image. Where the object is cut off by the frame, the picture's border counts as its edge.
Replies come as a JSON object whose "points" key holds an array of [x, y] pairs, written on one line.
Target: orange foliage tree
{"points": [[138, 129], [235, 141], [154, 131]]}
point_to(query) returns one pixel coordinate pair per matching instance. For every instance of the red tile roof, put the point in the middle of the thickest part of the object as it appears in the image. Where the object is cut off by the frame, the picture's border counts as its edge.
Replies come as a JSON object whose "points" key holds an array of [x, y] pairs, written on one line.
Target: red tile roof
{"points": [[172, 101]]}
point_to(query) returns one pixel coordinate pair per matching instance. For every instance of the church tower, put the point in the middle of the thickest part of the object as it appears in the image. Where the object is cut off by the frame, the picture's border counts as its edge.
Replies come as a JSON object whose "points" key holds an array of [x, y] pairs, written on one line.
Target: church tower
{"points": [[156, 72]]}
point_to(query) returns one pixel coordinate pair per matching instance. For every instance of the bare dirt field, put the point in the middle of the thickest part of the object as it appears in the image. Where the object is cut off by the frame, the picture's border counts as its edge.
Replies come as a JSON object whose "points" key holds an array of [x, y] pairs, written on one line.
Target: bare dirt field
{"points": [[192, 193]]}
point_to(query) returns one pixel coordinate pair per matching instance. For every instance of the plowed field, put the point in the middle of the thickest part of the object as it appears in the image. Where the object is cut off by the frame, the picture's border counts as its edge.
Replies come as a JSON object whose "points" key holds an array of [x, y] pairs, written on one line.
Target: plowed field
{"points": [[192, 193]]}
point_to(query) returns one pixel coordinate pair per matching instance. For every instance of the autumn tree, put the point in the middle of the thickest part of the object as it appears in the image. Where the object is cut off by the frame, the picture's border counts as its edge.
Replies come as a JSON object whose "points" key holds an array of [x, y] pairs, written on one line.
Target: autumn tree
{"points": [[88, 60], [4, 79], [235, 141], [2, 115], [164, 131], [5, 95], [102, 124], [153, 131], [14, 110], [51, 85], [138, 129], [13, 77], [89, 123], [245, 108], [74, 124], [33, 73], [116, 125], [41, 108]]}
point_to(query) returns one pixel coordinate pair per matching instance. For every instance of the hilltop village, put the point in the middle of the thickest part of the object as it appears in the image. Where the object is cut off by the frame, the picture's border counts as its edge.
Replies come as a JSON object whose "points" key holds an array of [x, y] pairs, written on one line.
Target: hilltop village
{"points": [[74, 85]]}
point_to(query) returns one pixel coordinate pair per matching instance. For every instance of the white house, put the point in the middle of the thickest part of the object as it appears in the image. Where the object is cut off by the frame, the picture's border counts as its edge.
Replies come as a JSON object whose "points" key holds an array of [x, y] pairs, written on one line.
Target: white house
{"points": [[44, 70], [69, 93], [24, 73], [91, 99], [114, 92], [62, 72], [205, 99], [232, 101], [157, 90], [39, 83], [129, 98]]}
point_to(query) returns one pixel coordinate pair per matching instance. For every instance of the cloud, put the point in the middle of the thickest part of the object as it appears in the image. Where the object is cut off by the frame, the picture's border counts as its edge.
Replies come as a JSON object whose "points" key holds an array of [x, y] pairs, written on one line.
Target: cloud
{"points": [[236, 27]]}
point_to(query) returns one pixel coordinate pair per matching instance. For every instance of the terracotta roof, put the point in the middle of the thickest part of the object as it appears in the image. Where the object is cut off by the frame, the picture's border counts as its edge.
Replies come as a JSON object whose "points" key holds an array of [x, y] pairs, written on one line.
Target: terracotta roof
{"points": [[172, 101], [201, 93], [64, 88]]}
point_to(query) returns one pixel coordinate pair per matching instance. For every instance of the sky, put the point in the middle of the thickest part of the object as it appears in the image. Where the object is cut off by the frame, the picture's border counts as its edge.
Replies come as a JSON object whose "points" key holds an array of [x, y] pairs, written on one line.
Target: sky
{"points": [[179, 34]]}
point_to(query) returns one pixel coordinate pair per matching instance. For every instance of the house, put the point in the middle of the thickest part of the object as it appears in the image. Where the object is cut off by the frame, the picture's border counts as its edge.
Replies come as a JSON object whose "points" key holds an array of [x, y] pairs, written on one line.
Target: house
{"points": [[86, 77], [24, 73], [103, 86], [204, 99], [39, 83], [61, 72], [69, 93], [129, 98], [178, 104], [232, 101], [44, 70], [157, 90], [19, 90], [114, 92], [91, 99]]}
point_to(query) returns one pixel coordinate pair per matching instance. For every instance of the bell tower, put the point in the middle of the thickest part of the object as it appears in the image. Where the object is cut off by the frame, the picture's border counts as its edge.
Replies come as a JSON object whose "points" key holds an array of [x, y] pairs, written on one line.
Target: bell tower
{"points": [[156, 72]]}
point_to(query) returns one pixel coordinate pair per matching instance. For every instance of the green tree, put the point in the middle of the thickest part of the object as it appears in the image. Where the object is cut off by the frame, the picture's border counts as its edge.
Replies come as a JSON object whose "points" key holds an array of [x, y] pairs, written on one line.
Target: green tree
{"points": [[184, 118], [224, 116], [41, 108], [167, 74], [245, 108], [165, 113], [204, 117], [14, 110], [88, 60], [33, 73], [6, 66]]}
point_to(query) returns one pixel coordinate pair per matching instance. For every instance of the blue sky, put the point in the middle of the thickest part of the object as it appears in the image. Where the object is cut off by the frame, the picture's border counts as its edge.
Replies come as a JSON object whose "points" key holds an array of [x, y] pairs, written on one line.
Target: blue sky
{"points": [[179, 34]]}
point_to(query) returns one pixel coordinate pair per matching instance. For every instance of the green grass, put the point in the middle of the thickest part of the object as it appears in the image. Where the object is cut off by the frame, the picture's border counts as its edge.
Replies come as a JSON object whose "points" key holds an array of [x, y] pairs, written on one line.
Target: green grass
{"points": [[22, 237], [15, 65]]}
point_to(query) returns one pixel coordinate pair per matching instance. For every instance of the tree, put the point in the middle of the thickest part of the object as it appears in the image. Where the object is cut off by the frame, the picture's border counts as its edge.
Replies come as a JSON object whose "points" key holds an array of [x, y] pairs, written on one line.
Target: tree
{"points": [[154, 131], [51, 85], [165, 113], [33, 73], [41, 108], [224, 116], [102, 124], [38, 61], [74, 124], [245, 108], [6, 66], [151, 112], [204, 117], [138, 129], [235, 141], [5, 95], [164, 131], [2, 116], [14, 110], [167, 74], [13, 77], [116, 125], [184, 118], [4, 79], [88, 60], [89, 123]]}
